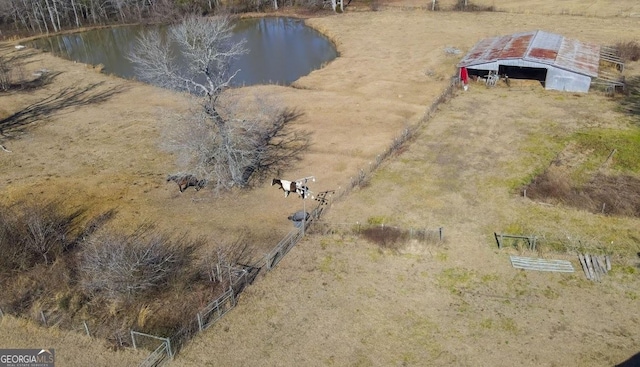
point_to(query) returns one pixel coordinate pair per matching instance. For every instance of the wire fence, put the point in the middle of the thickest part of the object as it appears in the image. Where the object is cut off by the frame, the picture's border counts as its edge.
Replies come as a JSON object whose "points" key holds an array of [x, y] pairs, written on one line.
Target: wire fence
{"points": [[364, 174], [243, 275], [420, 234]]}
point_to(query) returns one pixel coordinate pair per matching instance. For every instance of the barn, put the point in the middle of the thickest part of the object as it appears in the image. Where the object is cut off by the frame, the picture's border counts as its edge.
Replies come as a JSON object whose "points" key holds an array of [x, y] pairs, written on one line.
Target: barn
{"points": [[557, 62]]}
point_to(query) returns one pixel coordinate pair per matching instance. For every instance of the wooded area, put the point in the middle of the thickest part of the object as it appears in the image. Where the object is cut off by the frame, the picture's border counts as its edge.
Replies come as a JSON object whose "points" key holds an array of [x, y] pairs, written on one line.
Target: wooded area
{"points": [[45, 16]]}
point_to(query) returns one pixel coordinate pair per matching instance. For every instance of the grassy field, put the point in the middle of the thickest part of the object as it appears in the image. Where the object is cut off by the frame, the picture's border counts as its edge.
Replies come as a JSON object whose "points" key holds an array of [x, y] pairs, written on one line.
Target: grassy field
{"points": [[337, 299], [340, 300]]}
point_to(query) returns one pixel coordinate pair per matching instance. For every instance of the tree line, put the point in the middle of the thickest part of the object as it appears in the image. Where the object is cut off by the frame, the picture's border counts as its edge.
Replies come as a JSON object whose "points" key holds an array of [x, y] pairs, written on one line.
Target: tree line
{"points": [[46, 16]]}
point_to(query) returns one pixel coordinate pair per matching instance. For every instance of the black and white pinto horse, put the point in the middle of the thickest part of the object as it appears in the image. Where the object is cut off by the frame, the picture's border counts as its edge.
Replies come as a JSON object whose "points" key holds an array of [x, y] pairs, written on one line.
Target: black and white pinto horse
{"points": [[292, 186]]}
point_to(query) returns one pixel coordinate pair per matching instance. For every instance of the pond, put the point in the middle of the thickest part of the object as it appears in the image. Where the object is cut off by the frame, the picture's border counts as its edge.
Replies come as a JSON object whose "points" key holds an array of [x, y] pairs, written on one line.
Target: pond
{"points": [[281, 50]]}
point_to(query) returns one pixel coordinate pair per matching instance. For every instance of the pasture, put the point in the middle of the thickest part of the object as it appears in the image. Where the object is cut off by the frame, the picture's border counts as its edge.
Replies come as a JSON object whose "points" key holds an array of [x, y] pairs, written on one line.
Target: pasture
{"points": [[336, 299]]}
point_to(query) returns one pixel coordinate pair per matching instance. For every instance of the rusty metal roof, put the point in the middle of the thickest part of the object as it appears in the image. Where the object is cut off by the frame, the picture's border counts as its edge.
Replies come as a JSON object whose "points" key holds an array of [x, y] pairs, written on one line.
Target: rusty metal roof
{"points": [[537, 46]]}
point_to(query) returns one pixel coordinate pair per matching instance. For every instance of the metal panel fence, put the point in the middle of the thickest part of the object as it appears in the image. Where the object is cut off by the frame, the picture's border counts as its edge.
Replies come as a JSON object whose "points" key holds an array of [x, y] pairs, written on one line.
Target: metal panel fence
{"points": [[160, 355], [215, 310], [220, 306]]}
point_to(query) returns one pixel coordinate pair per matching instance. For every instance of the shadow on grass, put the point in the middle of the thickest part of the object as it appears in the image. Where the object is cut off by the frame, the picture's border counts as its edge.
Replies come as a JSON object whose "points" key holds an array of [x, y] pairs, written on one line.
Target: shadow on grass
{"points": [[68, 97]]}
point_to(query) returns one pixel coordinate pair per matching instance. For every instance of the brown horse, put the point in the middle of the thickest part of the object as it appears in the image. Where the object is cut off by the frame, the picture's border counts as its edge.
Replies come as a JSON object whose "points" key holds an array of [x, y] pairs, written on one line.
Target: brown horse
{"points": [[185, 181]]}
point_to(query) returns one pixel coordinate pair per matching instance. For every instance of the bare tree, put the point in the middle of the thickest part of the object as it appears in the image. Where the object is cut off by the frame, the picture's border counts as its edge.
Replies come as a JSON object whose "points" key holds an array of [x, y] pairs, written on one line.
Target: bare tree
{"points": [[35, 233], [219, 140], [219, 262], [5, 74], [119, 267]]}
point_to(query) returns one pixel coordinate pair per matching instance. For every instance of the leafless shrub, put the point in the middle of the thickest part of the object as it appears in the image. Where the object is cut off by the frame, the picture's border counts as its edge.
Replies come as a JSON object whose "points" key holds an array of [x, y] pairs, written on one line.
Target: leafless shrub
{"points": [[12, 74], [395, 238], [34, 233], [616, 195], [386, 237], [629, 51], [551, 184], [465, 5], [311, 5], [244, 6], [5, 74], [218, 263], [119, 266], [630, 104]]}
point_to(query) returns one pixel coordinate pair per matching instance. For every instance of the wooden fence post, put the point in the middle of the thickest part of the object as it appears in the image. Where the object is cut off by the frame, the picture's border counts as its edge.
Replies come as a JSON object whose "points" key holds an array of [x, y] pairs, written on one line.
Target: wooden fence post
{"points": [[497, 239]]}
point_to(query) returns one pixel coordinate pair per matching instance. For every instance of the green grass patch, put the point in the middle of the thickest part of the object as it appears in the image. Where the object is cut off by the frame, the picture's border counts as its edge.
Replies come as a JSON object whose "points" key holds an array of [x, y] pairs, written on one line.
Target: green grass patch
{"points": [[455, 279], [509, 325], [539, 149], [377, 220], [442, 256], [487, 323], [326, 264], [489, 278], [601, 142], [550, 293]]}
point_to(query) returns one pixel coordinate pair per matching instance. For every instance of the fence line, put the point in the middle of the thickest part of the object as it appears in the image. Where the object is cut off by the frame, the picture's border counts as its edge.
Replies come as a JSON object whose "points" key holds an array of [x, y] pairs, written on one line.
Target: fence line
{"points": [[357, 227], [405, 136], [220, 306], [160, 355], [530, 239], [215, 310]]}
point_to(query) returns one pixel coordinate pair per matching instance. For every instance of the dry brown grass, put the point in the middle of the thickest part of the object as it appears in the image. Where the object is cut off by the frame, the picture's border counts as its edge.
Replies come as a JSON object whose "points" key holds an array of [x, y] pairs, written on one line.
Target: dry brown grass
{"points": [[338, 301], [629, 51], [72, 348], [605, 194], [462, 303]]}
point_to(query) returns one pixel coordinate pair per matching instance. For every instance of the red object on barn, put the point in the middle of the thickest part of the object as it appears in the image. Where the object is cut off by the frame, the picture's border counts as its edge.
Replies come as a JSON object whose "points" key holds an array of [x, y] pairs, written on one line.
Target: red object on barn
{"points": [[464, 75]]}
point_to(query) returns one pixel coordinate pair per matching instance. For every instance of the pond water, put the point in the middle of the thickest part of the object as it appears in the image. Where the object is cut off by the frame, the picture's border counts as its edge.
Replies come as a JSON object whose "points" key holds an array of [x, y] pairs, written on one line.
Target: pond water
{"points": [[281, 50]]}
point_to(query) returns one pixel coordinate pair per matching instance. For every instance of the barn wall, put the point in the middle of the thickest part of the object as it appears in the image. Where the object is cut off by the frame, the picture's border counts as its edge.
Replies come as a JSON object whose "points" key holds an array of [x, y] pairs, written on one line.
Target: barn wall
{"points": [[558, 79], [493, 66]]}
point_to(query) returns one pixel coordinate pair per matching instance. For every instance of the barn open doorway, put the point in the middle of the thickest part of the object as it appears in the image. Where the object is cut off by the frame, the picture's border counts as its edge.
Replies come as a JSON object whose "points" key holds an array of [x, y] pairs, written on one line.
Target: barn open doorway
{"points": [[518, 72]]}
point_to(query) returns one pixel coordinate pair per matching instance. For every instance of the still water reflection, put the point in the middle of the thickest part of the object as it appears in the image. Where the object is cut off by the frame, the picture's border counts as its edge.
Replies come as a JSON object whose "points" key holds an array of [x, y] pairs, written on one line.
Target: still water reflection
{"points": [[281, 50]]}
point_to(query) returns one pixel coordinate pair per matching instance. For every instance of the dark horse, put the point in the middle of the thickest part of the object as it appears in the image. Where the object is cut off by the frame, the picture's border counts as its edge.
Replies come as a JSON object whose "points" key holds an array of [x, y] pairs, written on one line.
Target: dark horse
{"points": [[185, 181], [292, 186]]}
